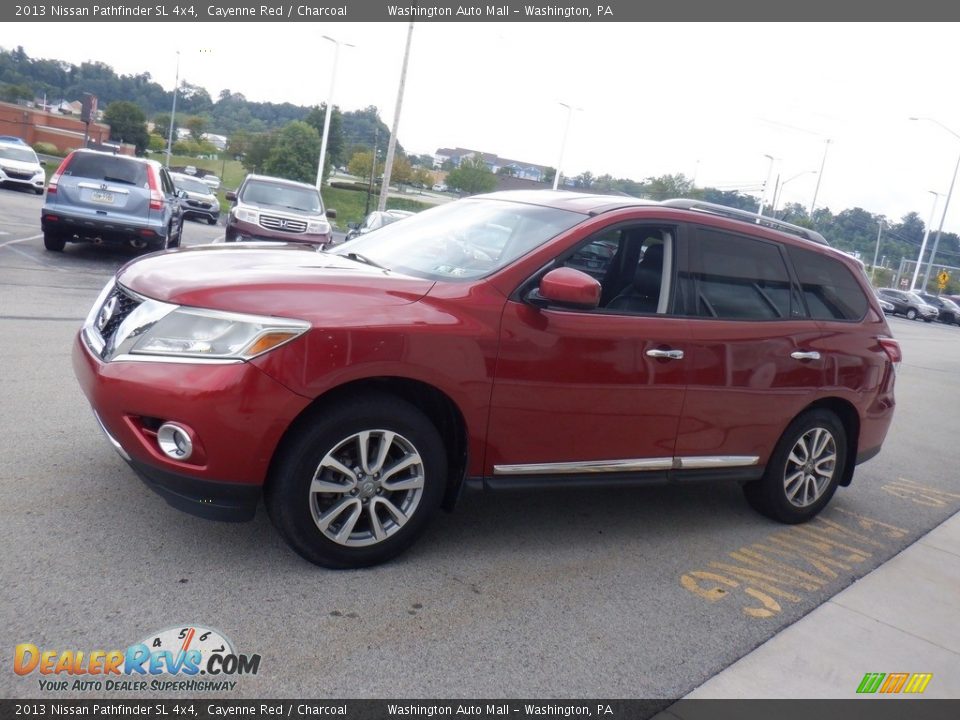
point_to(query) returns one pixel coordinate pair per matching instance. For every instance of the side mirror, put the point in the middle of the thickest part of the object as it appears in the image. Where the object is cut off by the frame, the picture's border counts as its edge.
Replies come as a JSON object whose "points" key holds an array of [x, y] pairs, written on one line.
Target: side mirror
{"points": [[332, 214], [353, 225], [43, 163], [230, 195], [567, 287]]}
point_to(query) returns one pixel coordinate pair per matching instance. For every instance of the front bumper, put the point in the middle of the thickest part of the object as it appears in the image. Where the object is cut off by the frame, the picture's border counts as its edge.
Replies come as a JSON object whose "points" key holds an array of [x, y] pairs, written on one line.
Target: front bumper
{"points": [[22, 179], [239, 231], [237, 412]]}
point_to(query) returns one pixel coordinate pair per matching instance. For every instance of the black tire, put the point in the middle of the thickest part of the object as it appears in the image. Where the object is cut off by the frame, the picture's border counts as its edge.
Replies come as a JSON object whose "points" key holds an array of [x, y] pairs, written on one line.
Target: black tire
{"points": [[769, 495], [38, 191], [911, 314], [54, 242], [332, 435], [212, 221]]}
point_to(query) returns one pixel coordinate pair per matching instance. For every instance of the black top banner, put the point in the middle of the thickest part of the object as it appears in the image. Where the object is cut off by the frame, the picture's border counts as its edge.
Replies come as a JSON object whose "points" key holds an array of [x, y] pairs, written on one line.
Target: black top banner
{"points": [[514, 11]]}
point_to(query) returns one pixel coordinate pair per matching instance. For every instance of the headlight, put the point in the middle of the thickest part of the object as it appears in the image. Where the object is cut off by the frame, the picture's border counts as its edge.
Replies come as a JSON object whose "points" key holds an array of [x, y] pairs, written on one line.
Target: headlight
{"points": [[318, 226], [244, 215], [199, 333], [38, 172]]}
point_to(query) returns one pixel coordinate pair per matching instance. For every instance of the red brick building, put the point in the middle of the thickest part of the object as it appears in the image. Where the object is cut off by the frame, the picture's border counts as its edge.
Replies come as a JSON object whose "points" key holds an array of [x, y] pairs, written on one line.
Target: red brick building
{"points": [[62, 131]]}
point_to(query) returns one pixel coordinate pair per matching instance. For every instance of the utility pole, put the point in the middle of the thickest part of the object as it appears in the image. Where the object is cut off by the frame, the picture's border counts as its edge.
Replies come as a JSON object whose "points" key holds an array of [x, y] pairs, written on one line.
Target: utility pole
{"points": [[391, 148], [873, 268], [173, 112]]}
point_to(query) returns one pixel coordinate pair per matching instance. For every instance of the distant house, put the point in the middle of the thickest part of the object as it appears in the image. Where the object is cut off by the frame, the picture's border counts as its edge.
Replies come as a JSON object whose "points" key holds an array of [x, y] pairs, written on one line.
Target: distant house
{"points": [[218, 141], [519, 169]]}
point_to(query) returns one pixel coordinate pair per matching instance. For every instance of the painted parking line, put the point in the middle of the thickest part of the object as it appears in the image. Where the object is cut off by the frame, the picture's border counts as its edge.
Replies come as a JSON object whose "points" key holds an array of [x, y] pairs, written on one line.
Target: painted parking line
{"points": [[802, 559], [20, 240]]}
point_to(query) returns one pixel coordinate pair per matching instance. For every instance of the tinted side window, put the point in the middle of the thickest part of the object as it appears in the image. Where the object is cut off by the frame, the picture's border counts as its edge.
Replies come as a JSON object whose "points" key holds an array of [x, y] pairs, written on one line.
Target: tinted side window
{"points": [[739, 278], [108, 168], [830, 289]]}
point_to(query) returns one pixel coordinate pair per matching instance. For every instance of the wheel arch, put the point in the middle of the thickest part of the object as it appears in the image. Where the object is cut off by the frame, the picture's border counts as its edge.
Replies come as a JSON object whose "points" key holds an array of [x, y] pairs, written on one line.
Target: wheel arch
{"points": [[439, 408], [850, 418]]}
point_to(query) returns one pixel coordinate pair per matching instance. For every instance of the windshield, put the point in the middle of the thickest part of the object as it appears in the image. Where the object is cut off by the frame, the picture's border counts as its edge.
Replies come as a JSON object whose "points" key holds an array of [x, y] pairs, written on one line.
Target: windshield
{"points": [[21, 154], [461, 240], [284, 196]]}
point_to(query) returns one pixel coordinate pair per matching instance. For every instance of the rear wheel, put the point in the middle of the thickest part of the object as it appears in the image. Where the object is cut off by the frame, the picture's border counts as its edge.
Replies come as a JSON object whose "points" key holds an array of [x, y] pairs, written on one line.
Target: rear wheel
{"points": [[357, 486], [54, 242], [803, 471]]}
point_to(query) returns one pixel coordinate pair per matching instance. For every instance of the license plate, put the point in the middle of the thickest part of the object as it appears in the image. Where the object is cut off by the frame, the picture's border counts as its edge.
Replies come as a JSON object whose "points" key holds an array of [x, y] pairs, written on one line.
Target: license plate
{"points": [[101, 196]]}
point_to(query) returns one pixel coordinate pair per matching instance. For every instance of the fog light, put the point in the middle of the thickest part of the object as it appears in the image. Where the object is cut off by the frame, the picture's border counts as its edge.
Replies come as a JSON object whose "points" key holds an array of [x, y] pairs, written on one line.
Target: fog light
{"points": [[174, 441]]}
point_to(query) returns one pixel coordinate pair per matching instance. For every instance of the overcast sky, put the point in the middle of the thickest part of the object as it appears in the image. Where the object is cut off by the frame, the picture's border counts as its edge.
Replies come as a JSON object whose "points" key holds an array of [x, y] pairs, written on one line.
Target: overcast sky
{"points": [[707, 100]]}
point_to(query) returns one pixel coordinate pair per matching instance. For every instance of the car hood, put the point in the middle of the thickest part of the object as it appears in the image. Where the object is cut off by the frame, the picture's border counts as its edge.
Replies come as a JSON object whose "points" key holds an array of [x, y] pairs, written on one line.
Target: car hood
{"points": [[285, 281], [20, 165]]}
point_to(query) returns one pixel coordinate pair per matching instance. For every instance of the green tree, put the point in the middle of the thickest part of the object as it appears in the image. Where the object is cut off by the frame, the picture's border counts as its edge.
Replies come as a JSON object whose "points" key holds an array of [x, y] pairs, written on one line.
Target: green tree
{"points": [[259, 150], [197, 125], [668, 186], [295, 153], [128, 123], [473, 176], [14, 93], [359, 164]]}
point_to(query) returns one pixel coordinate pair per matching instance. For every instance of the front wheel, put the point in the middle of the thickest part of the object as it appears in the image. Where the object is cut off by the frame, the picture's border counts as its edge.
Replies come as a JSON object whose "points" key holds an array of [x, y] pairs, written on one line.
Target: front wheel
{"points": [[911, 314], [803, 471], [356, 485]]}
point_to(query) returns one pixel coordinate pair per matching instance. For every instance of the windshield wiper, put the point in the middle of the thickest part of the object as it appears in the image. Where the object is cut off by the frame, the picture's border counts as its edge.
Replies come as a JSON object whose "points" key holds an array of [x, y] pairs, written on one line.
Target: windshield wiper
{"points": [[364, 259], [107, 178]]}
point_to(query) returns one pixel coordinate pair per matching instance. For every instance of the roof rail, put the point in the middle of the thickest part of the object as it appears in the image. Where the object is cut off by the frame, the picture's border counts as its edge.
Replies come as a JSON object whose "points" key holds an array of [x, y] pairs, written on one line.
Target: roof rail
{"points": [[746, 216]]}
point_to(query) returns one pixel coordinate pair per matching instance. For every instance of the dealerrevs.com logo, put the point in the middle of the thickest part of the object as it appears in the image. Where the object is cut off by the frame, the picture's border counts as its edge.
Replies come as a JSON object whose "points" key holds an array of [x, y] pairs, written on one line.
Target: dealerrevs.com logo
{"points": [[894, 683], [184, 658]]}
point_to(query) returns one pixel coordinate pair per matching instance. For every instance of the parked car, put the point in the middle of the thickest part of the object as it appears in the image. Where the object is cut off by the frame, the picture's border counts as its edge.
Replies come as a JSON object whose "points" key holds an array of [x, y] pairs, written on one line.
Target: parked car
{"points": [[375, 220], [887, 307], [358, 390], [908, 304], [271, 208], [20, 167], [440, 187], [13, 140], [947, 309], [103, 198], [212, 180], [198, 200]]}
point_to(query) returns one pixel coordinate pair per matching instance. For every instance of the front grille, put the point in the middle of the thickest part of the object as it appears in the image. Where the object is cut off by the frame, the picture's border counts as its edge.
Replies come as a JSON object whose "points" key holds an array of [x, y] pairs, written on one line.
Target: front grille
{"points": [[126, 304], [198, 204], [290, 225], [17, 174]]}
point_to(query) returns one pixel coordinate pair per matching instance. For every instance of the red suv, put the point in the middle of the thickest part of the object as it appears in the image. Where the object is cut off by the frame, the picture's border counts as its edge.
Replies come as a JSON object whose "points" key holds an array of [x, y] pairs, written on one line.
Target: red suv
{"points": [[508, 340]]}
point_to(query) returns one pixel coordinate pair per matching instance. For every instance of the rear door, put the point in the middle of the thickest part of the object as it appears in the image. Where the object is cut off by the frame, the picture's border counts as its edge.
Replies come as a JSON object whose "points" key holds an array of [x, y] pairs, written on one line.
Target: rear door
{"points": [[755, 359]]}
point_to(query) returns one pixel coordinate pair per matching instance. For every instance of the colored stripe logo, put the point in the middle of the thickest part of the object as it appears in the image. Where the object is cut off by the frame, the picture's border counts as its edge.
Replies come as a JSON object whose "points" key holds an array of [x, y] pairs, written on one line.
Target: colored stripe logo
{"points": [[893, 683]]}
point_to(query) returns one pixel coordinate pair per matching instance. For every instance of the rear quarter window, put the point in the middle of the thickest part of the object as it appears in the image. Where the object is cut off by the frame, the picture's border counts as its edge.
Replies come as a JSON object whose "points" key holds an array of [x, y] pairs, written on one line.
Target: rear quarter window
{"points": [[831, 291]]}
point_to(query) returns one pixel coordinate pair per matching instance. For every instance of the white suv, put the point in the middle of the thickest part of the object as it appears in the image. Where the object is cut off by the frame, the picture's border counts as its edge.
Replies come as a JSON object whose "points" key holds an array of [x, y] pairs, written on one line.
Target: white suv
{"points": [[19, 166]]}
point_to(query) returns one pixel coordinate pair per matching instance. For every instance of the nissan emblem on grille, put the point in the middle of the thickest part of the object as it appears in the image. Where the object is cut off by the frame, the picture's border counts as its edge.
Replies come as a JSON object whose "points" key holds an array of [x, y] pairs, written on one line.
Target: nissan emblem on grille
{"points": [[106, 312]]}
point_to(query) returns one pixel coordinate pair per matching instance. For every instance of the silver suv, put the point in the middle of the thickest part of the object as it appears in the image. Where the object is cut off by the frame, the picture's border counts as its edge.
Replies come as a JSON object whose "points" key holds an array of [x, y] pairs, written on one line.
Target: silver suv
{"points": [[102, 198]]}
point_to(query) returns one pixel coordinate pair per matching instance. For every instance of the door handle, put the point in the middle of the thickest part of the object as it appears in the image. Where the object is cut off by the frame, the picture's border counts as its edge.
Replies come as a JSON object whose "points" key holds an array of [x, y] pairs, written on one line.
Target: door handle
{"points": [[800, 355], [666, 354]]}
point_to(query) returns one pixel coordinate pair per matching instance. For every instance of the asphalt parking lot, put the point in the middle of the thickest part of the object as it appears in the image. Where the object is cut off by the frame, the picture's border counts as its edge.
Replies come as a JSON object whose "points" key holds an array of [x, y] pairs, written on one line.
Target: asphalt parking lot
{"points": [[644, 593]]}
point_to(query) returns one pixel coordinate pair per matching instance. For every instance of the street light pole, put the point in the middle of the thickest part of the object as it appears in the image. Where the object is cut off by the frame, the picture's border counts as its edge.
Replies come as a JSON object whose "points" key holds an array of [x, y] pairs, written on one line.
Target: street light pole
{"points": [[173, 112], [329, 113], [392, 145], [563, 143], [763, 192], [923, 245], [876, 253], [946, 204], [816, 190], [779, 192]]}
